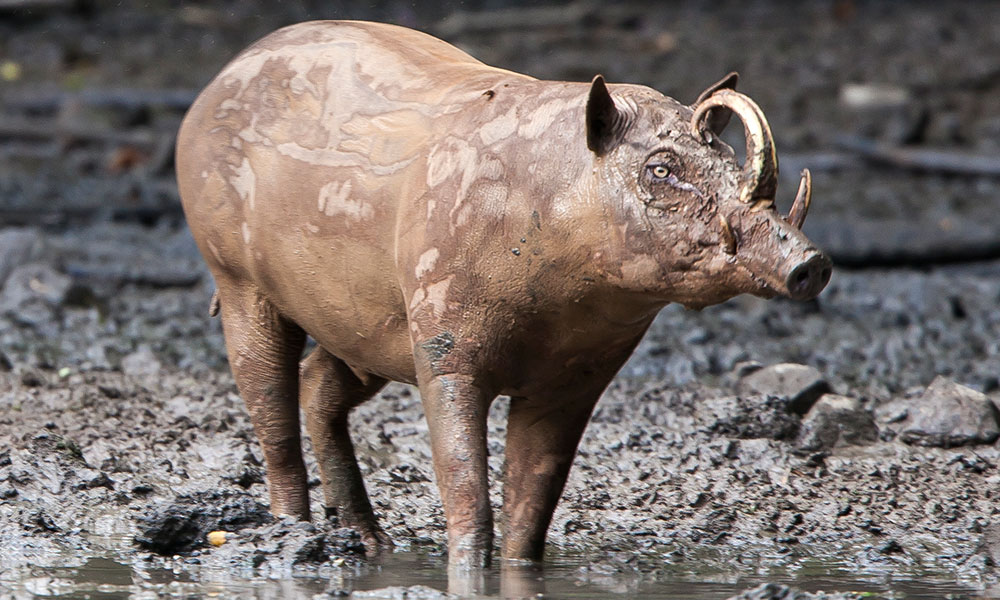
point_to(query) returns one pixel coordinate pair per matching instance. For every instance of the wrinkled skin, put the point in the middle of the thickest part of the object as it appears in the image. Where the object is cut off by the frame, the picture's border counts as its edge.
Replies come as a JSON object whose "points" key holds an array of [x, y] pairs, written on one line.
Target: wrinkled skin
{"points": [[432, 220]]}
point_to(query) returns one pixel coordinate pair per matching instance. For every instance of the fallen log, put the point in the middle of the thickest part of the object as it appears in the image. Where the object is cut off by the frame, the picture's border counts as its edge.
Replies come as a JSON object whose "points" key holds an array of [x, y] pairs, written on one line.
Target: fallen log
{"points": [[931, 160], [36, 4], [149, 275], [821, 161], [52, 101], [904, 242], [21, 128]]}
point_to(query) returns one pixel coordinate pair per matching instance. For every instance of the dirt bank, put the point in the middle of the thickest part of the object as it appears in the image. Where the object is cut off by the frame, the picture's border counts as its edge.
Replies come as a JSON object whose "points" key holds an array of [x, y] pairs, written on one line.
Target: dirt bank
{"points": [[123, 409]]}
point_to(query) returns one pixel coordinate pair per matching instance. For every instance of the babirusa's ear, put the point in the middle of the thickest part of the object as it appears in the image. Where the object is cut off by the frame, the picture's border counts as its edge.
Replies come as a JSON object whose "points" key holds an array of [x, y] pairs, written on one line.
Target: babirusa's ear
{"points": [[606, 124], [718, 118]]}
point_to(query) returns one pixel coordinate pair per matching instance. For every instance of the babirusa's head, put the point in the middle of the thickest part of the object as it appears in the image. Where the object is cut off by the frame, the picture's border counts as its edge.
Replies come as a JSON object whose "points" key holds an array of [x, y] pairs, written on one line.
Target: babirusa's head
{"points": [[696, 227]]}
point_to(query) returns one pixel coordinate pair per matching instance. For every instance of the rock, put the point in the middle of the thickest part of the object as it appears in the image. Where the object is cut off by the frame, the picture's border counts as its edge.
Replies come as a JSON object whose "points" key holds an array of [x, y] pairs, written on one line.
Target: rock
{"points": [[746, 367], [752, 417], [950, 414], [183, 525], [873, 95], [32, 291], [835, 421], [413, 592], [776, 591], [7, 491], [140, 363], [287, 543], [990, 542], [100, 480], [800, 384], [17, 247], [246, 475], [891, 547]]}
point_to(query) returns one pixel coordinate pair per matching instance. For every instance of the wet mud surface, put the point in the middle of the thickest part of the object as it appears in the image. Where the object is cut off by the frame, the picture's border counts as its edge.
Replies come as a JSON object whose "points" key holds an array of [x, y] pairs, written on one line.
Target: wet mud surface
{"points": [[123, 442]]}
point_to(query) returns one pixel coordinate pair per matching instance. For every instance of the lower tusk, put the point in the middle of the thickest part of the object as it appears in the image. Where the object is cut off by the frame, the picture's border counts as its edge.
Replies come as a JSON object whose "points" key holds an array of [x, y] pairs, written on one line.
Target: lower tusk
{"points": [[762, 204], [728, 239], [797, 215]]}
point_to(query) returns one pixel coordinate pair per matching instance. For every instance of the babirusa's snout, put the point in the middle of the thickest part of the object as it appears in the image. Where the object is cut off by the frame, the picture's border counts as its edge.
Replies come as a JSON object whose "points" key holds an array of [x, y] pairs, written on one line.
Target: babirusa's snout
{"points": [[778, 256], [808, 278]]}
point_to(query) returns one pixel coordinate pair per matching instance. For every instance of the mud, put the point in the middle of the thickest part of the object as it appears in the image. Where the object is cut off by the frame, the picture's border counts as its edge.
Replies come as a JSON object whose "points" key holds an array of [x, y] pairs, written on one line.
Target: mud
{"points": [[120, 423]]}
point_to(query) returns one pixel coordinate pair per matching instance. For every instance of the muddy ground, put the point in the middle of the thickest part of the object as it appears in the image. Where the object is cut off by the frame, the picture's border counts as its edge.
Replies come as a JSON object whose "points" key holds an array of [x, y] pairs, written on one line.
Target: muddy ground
{"points": [[122, 435]]}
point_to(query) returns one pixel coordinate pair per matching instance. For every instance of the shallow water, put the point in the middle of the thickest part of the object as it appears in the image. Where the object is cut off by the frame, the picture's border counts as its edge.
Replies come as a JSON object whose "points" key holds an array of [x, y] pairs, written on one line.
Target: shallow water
{"points": [[564, 576]]}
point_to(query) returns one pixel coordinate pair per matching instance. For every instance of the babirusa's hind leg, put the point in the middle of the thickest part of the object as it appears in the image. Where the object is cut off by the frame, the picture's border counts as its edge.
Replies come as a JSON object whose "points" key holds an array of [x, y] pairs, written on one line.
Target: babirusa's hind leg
{"points": [[329, 390], [264, 350]]}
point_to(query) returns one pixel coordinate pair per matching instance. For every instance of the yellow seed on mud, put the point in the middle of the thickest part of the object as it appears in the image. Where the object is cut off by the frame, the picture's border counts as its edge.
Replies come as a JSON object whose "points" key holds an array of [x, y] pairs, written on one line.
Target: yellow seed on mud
{"points": [[10, 70], [217, 538]]}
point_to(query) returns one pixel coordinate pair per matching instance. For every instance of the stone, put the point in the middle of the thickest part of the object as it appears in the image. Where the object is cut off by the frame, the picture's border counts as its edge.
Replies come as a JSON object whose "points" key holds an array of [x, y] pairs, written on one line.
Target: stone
{"points": [[752, 417], [183, 525], [949, 414], [834, 421], [17, 247], [990, 542], [141, 363], [777, 591], [802, 385], [412, 592], [31, 293]]}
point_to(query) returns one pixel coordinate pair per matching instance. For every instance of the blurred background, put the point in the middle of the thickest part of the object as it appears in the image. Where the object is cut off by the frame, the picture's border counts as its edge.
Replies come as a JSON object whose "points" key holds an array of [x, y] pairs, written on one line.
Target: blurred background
{"points": [[894, 106]]}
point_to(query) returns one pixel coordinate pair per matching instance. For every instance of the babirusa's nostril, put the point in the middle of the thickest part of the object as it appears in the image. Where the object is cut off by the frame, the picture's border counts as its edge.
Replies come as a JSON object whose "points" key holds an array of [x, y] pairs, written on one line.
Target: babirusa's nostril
{"points": [[825, 276], [809, 278]]}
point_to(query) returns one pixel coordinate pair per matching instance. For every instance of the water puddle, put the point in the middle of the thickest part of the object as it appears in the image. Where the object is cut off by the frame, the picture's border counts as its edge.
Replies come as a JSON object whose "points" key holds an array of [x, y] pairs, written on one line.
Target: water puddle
{"points": [[564, 577]]}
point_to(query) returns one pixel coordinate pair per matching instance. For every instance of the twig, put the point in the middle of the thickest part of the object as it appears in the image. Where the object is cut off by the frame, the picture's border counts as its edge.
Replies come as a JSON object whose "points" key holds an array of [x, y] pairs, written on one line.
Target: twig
{"points": [[34, 4], [48, 215], [155, 277], [50, 129], [118, 98], [822, 161], [933, 160]]}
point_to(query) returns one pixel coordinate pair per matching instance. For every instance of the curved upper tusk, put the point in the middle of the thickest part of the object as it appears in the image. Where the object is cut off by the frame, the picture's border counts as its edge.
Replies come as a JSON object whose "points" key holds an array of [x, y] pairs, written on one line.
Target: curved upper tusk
{"points": [[797, 215], [760, 171], [728, 239]]}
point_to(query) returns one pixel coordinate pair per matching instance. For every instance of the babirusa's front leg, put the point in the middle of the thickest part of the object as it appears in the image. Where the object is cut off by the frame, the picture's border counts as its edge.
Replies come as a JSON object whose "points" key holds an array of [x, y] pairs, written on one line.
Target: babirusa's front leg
{"points": [[456, 405], [542, 436], [456, 411]]}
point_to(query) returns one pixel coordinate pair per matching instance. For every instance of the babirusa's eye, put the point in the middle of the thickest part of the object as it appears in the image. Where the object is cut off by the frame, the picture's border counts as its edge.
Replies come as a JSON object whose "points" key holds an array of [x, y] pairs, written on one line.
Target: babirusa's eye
{"points": [[659, 171]]}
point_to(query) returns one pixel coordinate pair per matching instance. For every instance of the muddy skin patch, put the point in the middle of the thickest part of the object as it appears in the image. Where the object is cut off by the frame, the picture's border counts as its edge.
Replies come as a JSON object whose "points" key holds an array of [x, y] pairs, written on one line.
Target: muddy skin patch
{"points": [[536, 220], [436, 349]]}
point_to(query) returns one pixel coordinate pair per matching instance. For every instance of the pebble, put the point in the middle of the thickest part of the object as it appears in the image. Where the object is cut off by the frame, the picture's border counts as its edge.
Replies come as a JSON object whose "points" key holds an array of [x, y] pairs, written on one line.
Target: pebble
{"points": [[801, 384], [835, 421], [412, 592], [141, 363], [18, 246], [32, 292], [777, 591]]}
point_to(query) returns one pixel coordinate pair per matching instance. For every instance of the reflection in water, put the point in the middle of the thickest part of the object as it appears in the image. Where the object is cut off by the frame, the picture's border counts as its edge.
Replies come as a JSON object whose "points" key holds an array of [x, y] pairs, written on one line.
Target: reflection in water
{"points": [[517, 581], [562, 576], [521, 581]]}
